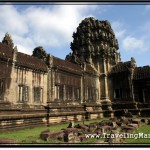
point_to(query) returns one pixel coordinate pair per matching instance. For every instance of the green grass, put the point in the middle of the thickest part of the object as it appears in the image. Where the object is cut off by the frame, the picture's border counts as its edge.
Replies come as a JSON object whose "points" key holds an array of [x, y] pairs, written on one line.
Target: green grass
{"points": [[143, 129], [33, 134], [27, 136]]}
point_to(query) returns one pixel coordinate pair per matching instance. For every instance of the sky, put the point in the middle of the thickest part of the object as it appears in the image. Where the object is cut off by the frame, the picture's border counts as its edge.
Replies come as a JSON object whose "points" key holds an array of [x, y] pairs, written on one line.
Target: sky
{"points": [[52, 26]]}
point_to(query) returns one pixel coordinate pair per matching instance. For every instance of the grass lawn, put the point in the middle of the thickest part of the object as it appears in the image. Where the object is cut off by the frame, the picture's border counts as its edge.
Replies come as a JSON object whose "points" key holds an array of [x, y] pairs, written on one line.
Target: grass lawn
{"points": [[33, 134], [143, 129], [27, 136]]}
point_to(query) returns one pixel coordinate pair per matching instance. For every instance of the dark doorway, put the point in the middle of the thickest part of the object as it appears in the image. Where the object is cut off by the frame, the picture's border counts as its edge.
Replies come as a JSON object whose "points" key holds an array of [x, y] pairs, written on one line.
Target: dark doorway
{"points": [[142, 94], [118, 93]]}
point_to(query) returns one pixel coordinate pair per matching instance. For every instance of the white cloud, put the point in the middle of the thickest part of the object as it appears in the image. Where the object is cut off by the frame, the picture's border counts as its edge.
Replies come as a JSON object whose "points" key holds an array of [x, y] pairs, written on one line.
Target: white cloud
{"points": [[133, 44], [119, 29], [147, 7], [12, 20], [49, 26]]}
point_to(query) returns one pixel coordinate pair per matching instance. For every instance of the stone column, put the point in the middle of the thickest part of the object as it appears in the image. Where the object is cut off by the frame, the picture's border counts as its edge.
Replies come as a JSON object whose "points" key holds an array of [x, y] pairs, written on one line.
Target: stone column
{"points": [[73, 97], [64, 92], [20, 93], [99, 90], [30, 93], [131, 87], [81, 90], [106, 87], [49, 86], [41, 95], [53, 86], [104, 83]]}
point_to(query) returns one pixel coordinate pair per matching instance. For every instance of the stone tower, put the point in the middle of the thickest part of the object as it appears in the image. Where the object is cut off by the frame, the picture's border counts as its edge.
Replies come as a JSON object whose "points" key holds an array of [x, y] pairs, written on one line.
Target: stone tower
{"points": [[94, 43], [8, 40]]}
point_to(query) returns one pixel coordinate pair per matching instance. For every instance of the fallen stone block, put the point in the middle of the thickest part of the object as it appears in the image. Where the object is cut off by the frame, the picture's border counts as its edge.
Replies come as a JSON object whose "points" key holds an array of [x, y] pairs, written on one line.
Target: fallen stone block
{"points": [[81, 126], [94, 124], [69, 130], [115, 140], [136, 126], [60, 136], [71, 137], [105, 123], [117, 131], [114, 125], [148, 121], [127, 129], [145, 121], [113, 119], [136, 121], [45, 134], [82, 138], [105, 129]]}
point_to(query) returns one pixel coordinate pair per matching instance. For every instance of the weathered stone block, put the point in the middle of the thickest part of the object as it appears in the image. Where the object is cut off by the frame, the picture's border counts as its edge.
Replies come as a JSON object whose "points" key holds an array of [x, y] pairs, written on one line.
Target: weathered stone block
{"points": [[82, 138], [71, 137], [105, 129], [145, 121], [128, 129], [82, 126], [45, 135], [136, 121], [134, 125]]}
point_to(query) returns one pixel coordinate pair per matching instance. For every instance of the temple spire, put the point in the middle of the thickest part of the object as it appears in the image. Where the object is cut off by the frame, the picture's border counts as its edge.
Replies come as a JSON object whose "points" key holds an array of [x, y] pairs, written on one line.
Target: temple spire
{"points": [[8, 40]]}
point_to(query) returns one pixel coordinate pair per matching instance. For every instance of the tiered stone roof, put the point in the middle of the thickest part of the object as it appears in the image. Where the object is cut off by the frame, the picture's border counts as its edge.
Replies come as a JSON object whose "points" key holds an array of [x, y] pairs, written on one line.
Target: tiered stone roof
{"points": [[22, 60], [92, 40], [66, 65], [32, 62], [141, 73], [121, 67]]}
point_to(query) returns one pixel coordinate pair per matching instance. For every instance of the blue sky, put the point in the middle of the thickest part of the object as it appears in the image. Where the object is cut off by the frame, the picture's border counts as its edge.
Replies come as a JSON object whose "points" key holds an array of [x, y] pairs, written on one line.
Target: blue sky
{"points": [[51, 26]]}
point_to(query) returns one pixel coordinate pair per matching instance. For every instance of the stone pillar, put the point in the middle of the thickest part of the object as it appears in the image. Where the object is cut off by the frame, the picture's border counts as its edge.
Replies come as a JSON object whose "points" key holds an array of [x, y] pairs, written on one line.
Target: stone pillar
{"points": [[131, 87], [49, 86], [81, 90], [64, 92], [20, 93], [53, 86], [106, 87], [57, 92], [31, 100], [99, 90], [41, 95], [73, 97], [105, 79]]}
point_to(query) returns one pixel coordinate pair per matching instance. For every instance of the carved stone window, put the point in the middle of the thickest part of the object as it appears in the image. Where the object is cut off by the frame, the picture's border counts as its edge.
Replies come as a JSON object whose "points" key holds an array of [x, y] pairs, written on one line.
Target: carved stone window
{"points": [[89, 93], [2, 88], [96, 94], [78, 93], [23, 91], [70, 92], [61, 92], [38, 92], [57, 92], [118, 93]]}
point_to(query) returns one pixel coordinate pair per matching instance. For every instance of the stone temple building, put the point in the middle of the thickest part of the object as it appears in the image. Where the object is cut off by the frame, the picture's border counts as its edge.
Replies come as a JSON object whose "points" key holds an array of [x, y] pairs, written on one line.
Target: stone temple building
{"points": [[92, 80]]}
